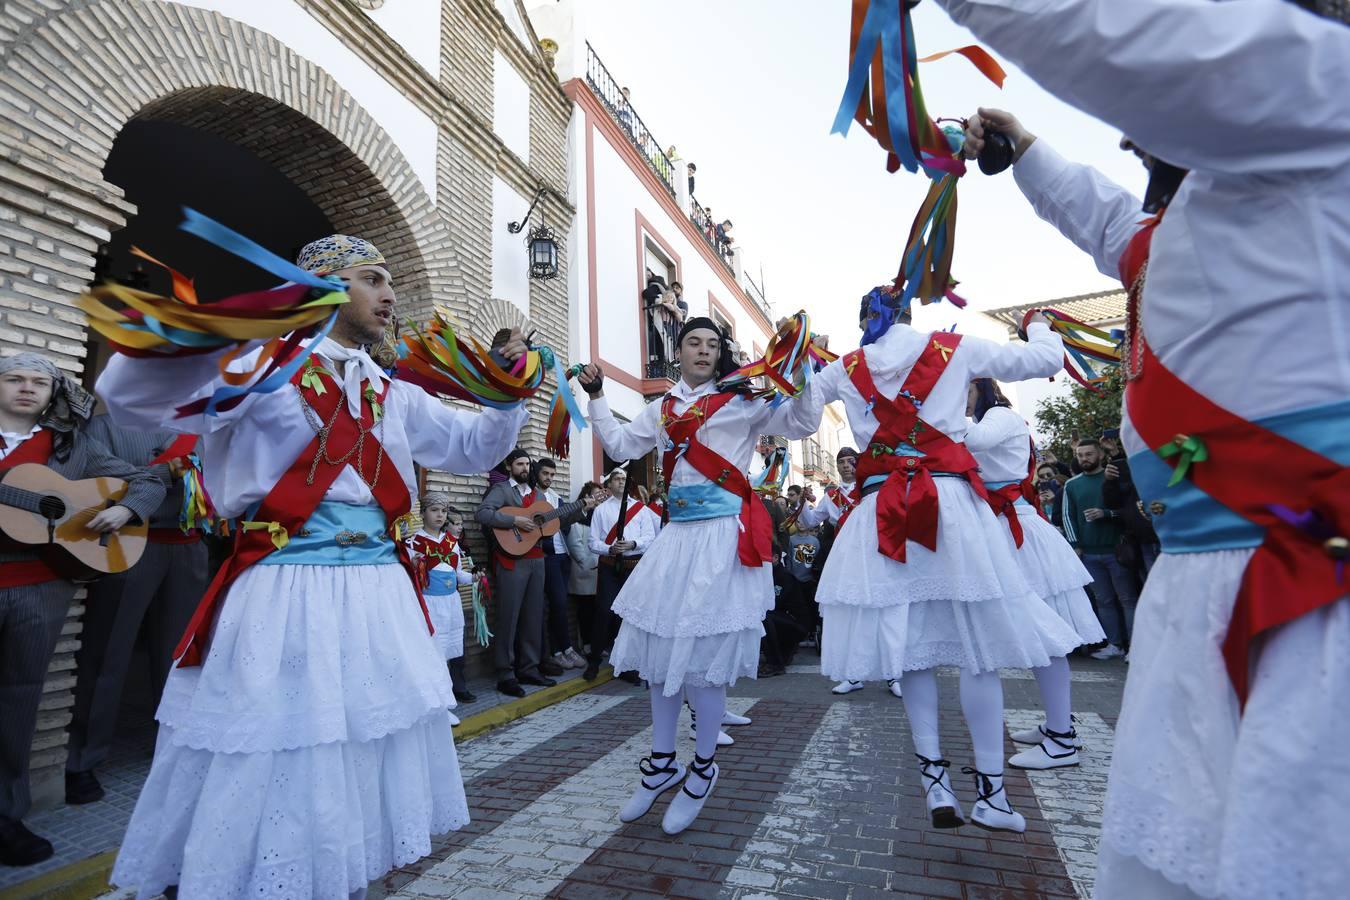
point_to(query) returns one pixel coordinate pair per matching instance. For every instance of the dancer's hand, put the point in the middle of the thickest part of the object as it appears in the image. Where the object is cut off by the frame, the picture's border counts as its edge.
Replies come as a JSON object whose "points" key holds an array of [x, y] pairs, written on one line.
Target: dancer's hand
{"points": [[995, 120], [592, 380], [515, 346], [1038, 318]]}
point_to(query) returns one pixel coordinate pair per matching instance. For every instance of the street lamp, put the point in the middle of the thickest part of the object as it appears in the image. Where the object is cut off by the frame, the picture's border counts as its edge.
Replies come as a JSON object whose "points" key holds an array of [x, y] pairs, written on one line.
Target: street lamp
{"points": [[542, 241]]}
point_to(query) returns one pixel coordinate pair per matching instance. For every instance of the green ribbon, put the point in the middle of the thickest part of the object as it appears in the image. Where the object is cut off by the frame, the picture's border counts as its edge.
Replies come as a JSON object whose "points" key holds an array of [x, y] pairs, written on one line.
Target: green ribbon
{"points": [[376, 407], [1191, 449], [312, 380]]}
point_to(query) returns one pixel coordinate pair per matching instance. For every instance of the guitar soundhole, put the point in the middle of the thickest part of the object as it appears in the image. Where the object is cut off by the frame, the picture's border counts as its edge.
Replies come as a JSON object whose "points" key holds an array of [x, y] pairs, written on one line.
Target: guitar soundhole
{"points": [[50, 507]]}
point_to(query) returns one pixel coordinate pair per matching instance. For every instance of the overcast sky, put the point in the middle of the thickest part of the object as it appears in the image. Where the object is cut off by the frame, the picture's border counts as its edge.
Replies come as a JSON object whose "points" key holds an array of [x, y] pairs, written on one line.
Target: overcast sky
{"points": [[748, 90]]}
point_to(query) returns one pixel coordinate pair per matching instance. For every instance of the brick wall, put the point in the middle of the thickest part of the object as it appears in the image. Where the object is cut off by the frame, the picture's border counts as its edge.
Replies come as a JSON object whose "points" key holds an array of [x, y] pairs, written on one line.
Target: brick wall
{"points": [[73, 73]]}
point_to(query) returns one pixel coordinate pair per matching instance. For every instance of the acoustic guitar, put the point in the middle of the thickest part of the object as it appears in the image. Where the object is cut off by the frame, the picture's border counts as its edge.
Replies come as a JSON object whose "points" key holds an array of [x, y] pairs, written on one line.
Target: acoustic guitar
{"points": [[516, 542], [40, 508]]}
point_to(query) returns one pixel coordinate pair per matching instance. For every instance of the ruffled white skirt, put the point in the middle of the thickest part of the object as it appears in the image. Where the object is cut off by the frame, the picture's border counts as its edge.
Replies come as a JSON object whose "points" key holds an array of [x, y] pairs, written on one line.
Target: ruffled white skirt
{"points": [[447, 615], [1055, 573], [310, 753], [964, 604], [1228, 803], [691, 612]]}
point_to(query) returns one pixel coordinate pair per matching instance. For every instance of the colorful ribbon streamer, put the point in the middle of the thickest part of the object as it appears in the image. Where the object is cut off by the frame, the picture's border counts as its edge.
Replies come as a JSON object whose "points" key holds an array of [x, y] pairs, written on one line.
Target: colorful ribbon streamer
{"points": [[481, 591], [1084, 345], [139, 323], [437, 360], [794, 355], [770, 482]]}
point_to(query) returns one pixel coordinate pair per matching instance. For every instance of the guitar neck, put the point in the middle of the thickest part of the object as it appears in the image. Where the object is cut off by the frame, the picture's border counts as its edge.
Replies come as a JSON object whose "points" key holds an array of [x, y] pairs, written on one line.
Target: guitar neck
{"points": [[565, 510]]}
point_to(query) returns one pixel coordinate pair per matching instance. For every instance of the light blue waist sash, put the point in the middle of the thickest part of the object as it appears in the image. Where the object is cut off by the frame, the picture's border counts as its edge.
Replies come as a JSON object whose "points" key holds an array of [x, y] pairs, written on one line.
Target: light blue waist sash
{"points": [[998, 485], [1188, 520], [338, 534], [691, 502], [441, 584]]}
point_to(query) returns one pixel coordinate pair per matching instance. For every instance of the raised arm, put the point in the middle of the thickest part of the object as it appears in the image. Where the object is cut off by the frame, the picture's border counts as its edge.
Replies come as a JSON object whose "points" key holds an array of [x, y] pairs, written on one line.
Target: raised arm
{"points": [[1040, 357], [145, 393], [800, 416], [1229, 87], [996, 427], [1096, 214], [453, 440], [625, 441]]}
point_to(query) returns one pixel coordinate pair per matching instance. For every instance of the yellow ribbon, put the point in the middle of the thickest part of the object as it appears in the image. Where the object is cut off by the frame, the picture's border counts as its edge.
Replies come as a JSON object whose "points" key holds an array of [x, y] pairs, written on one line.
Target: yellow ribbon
{"points": [[275, 530]]}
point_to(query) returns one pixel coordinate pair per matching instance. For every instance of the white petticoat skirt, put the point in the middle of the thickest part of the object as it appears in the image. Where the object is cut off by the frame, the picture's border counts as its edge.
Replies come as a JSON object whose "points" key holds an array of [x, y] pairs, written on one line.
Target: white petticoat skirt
{"points": [[447, 615], [691, 612], [1055, 573], [310, 753], [964, 604], [1222, 803]]}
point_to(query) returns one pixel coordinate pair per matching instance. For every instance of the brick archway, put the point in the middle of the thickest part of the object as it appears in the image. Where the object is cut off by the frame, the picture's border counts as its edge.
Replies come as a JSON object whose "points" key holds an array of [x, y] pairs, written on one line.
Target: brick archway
{"points": [[169, 62]]}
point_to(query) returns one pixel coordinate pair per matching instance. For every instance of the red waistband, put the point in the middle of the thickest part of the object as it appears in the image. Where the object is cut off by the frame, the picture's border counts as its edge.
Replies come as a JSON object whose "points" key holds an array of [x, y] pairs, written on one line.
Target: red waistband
{"points": [[25, 572], [173, 536]]}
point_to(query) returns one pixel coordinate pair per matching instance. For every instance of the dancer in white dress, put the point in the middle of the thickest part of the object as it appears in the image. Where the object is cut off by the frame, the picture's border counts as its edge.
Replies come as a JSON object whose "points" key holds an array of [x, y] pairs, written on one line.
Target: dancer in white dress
{"points": [[304, 739], [1001, 443], [920, 575], [445, 567], [692, 608], [1225, 776], [833, 506]]}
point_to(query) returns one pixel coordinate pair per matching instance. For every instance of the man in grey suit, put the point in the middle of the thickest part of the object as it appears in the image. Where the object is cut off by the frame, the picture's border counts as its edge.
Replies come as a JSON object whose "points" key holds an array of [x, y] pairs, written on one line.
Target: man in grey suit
{"points": [[519, 583], [158, 594], [41, 411]]}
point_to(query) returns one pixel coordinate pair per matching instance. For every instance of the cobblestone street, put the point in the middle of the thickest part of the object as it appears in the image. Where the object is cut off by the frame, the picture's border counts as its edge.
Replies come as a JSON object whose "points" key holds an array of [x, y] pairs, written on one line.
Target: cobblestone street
{"points": [[818, 798]]}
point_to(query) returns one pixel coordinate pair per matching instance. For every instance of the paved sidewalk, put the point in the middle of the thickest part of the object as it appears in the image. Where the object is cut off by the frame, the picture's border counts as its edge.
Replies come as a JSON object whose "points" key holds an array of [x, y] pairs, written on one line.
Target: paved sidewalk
{"points": [[818, 798]]}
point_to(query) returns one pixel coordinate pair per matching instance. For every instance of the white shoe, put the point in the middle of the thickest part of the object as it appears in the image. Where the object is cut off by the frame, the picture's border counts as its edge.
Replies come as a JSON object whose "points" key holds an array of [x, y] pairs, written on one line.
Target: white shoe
{"points": [[943, 807], [454, 719], [730, 718], [1055, 751], [723, 739], [575, 659], [1110, 651], [846, 687], [894, 686], [992, 810], [1037, 734], [660, 773], [687, 804]]}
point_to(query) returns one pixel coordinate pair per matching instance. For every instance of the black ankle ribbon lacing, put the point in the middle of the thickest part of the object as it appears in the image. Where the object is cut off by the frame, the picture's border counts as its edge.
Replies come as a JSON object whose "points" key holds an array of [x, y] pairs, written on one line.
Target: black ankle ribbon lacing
{"points": [[700, 767], [984, 789], [1064, 740], [942, 764], [649, 768]]}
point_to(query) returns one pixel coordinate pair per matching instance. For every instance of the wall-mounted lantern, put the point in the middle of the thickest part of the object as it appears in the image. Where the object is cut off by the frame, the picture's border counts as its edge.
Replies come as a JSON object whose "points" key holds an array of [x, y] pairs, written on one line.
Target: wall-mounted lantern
{"points": [[542, 243]]}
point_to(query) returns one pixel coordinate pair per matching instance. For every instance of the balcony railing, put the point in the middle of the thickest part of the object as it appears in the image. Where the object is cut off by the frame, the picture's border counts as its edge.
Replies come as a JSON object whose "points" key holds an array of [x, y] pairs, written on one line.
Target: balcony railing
{"points": [[609, 92], [662, 330], [708, 228]]}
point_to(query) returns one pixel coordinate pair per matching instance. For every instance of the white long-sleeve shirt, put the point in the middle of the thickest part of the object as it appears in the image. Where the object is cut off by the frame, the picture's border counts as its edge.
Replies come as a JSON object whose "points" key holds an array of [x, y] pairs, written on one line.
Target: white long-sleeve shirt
{"points": [[641, 530], [732, 433], [825, 510], [247, 449], [892, 356], [1001, 444], [1247, 298]]}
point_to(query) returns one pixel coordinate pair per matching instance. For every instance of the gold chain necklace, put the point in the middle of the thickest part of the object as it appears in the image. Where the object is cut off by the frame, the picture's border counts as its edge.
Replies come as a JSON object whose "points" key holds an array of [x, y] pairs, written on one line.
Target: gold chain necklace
{"points": [[324, 429]]}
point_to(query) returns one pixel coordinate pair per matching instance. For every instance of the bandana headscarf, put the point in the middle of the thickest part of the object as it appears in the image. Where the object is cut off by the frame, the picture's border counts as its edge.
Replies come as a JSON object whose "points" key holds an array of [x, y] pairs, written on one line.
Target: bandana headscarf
{"points": [[435, 500], [845, 451], [337, 252], [71, 404]]}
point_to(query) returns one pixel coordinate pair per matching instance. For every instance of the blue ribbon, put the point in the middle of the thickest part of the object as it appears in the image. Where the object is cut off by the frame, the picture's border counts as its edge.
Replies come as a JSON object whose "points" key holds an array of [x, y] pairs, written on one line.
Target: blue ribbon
{"points": [[568, 399], [209, 229], [274, 381]]}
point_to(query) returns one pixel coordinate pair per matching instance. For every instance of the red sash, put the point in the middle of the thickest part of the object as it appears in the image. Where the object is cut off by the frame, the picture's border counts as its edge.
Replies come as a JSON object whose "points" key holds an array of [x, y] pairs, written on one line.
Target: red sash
{"points": [[1297, 568], [1305, 510], [633, 510], [292, 500], [754, 547], [842, 501], [907, 504], [22, 573], [1004, 500]]}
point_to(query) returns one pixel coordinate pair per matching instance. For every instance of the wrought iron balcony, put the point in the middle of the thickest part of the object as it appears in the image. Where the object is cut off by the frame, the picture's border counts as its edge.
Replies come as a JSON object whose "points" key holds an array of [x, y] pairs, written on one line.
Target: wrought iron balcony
{"points": [[607, 89]]}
